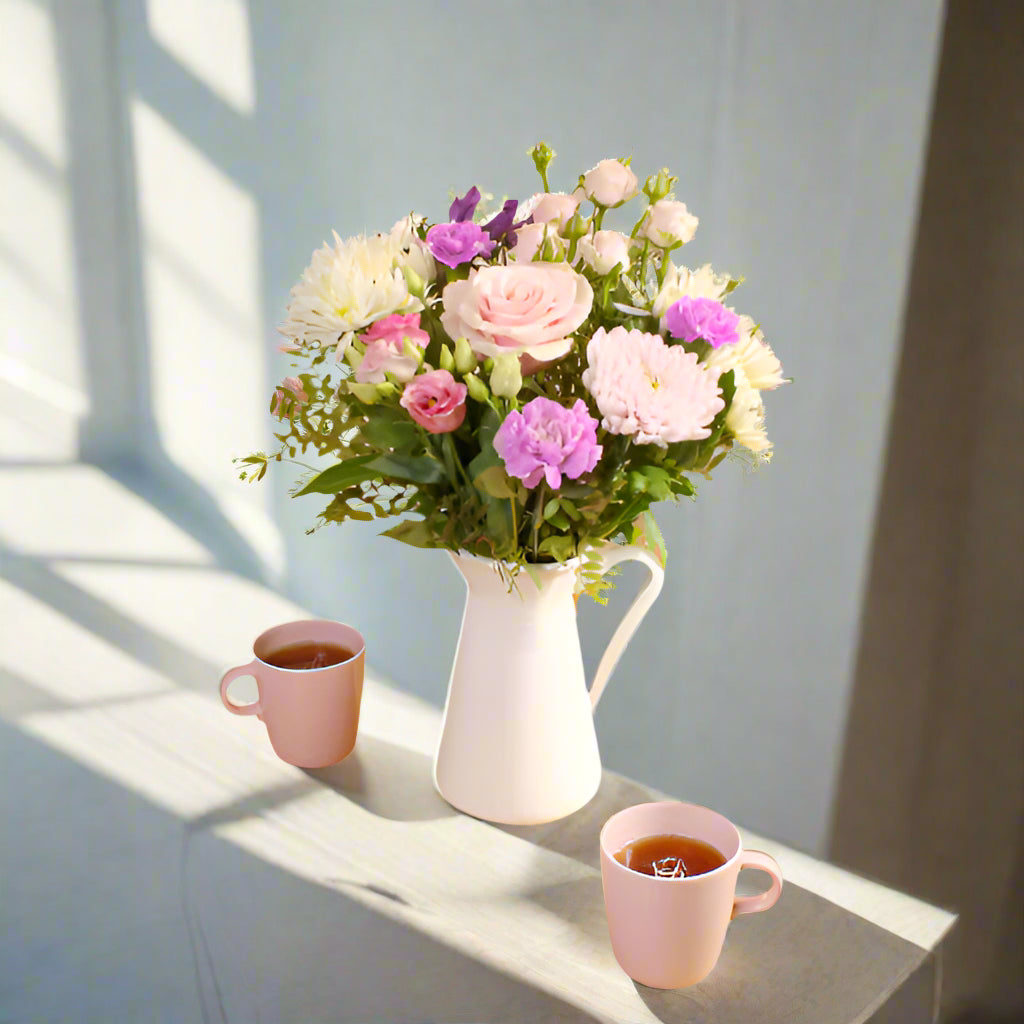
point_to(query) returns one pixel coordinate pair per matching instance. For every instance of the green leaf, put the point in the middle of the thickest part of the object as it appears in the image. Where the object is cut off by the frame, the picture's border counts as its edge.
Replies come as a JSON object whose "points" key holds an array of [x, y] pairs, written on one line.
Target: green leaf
{"points": [[499, 525], [559, 520], [494, 481], [340, 476], [411, 531], [418, 469], [560, 547], [550, 508], [570, 509], [388, 428], [659, 482]]}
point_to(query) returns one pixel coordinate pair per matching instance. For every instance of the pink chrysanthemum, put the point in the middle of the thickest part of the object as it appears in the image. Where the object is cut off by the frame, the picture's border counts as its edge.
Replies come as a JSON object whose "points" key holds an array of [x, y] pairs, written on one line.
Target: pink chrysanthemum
{"points": [[654, 392]]}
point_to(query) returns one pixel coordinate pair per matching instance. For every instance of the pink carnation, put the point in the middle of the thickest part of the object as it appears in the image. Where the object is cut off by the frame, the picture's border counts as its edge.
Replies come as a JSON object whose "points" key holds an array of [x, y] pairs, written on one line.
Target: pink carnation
{"points": [[546, 440], [654, 392]]}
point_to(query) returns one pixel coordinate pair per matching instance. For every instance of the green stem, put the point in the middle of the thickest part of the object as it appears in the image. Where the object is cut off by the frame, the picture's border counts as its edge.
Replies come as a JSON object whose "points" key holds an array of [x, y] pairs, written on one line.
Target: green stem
{"points": [[599, 216], [515, 526], [538, 515], [458, 462], [544, 179]]}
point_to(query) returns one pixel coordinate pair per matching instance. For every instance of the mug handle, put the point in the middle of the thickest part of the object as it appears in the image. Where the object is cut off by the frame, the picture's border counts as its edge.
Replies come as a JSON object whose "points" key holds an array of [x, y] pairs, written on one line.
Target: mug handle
{"points": [[608, 556], [762, 901], [255, 707]]}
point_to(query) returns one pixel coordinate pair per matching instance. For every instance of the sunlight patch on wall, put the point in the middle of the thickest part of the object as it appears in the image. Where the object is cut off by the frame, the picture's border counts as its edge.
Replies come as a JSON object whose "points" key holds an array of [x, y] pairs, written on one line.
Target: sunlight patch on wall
{"points": [[67, 660], [30, 100], [105, 520], [212, 40], [38, 326], [200, 259], [216, 615]]}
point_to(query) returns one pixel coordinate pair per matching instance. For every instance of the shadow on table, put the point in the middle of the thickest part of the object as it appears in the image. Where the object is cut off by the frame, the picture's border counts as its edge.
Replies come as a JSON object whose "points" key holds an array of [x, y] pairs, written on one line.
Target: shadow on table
{"points": [[386, 779], [123, 911]]}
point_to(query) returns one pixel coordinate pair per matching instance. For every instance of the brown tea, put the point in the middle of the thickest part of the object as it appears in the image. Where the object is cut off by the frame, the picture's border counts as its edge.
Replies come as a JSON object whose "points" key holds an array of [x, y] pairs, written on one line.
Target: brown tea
{"points": [[308, 654], [667, 856]]}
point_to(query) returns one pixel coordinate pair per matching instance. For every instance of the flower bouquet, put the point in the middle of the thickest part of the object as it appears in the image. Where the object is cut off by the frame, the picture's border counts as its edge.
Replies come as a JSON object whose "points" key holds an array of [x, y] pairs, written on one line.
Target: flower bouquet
{"points": [[522, 384]]}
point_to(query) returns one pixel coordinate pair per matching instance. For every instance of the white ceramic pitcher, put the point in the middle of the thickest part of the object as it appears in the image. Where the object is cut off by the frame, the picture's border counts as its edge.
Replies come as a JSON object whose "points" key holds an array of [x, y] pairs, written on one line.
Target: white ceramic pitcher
{"points": [[518, 744]]}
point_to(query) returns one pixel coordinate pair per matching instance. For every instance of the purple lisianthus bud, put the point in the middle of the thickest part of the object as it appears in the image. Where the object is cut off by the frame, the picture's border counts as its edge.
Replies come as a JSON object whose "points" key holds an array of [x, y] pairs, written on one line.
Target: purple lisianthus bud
{"points": [[454, 244], [501, 223], [546, 440], [463, 209], [707, 319]]}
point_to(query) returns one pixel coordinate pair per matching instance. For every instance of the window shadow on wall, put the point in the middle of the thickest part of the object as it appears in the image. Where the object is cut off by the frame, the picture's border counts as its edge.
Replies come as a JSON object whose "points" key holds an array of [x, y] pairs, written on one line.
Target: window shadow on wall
{"points": [[931, 792]]}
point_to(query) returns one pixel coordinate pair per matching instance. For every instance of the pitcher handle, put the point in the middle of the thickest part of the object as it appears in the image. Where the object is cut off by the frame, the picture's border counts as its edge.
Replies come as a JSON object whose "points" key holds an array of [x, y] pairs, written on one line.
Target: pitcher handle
{"points": [[608, 556]]}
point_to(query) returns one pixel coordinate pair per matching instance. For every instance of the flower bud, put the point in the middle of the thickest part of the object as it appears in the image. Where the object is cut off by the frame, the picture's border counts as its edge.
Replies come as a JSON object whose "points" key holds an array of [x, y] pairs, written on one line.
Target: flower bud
{"points": [[659, 185], [412, 351], [413, 281], [465, 357], [477, 388], [542, 155], [366, 393], [507, 378], [445, 360]]}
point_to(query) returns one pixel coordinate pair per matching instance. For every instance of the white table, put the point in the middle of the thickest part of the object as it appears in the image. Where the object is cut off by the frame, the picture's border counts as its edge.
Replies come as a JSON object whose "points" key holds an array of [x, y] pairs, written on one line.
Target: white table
{"points": [[158, 863]]}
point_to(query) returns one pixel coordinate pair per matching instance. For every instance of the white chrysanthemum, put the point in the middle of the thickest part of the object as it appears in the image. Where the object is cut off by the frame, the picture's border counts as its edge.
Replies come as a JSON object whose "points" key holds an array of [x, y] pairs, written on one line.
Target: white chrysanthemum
{"points": [[702, 283], [745, 418], [760, 365], [409, 251], [347, 288]]}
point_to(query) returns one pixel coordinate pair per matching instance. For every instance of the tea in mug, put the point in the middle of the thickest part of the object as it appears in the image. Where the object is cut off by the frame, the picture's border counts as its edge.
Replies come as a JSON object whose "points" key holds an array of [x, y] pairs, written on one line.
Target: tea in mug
{"points": [[668, 856], [308, 654]]}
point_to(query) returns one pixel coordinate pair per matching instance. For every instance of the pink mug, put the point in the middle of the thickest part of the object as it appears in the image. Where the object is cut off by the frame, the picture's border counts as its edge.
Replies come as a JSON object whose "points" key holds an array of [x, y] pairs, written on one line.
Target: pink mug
{"points": [[669, 932], [311, 714]]}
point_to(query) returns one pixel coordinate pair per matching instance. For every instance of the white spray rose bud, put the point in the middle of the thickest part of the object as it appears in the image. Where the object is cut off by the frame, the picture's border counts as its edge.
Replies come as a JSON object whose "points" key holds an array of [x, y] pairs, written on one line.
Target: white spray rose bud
{"points": [[669, 223], [610, 183], [605, 251]]}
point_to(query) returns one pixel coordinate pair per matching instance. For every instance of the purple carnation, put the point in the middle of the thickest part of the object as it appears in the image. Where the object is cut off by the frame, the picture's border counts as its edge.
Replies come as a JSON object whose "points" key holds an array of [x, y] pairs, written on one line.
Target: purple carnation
{"points": [[547, 440], [463, 209], [458, 242], [691, 319]]}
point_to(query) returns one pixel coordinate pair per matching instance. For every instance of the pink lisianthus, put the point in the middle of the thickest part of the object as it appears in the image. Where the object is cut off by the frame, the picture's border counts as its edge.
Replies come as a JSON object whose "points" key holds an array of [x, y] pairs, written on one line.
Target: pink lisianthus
{"points": [[656, 393], [436, 401], [294, 385], [385, 352], [298, 394], [527, 308], [546, 440]]}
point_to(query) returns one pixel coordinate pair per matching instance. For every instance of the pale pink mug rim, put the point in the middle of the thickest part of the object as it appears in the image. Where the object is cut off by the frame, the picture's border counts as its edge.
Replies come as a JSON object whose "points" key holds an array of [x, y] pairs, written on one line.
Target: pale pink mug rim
{"points": [[309, 622], [690, 880]]}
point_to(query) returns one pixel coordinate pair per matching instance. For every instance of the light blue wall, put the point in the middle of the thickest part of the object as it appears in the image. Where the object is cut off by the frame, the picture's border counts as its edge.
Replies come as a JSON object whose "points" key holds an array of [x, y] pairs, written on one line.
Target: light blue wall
{"points": [[797, 132]]}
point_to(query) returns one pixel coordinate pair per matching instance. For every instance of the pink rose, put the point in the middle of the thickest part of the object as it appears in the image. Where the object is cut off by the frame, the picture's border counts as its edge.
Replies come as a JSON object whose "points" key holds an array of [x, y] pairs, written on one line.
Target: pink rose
{"points": [[527, 308], [436, 401], [554, 207], [610, 183], [384, 350]]}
